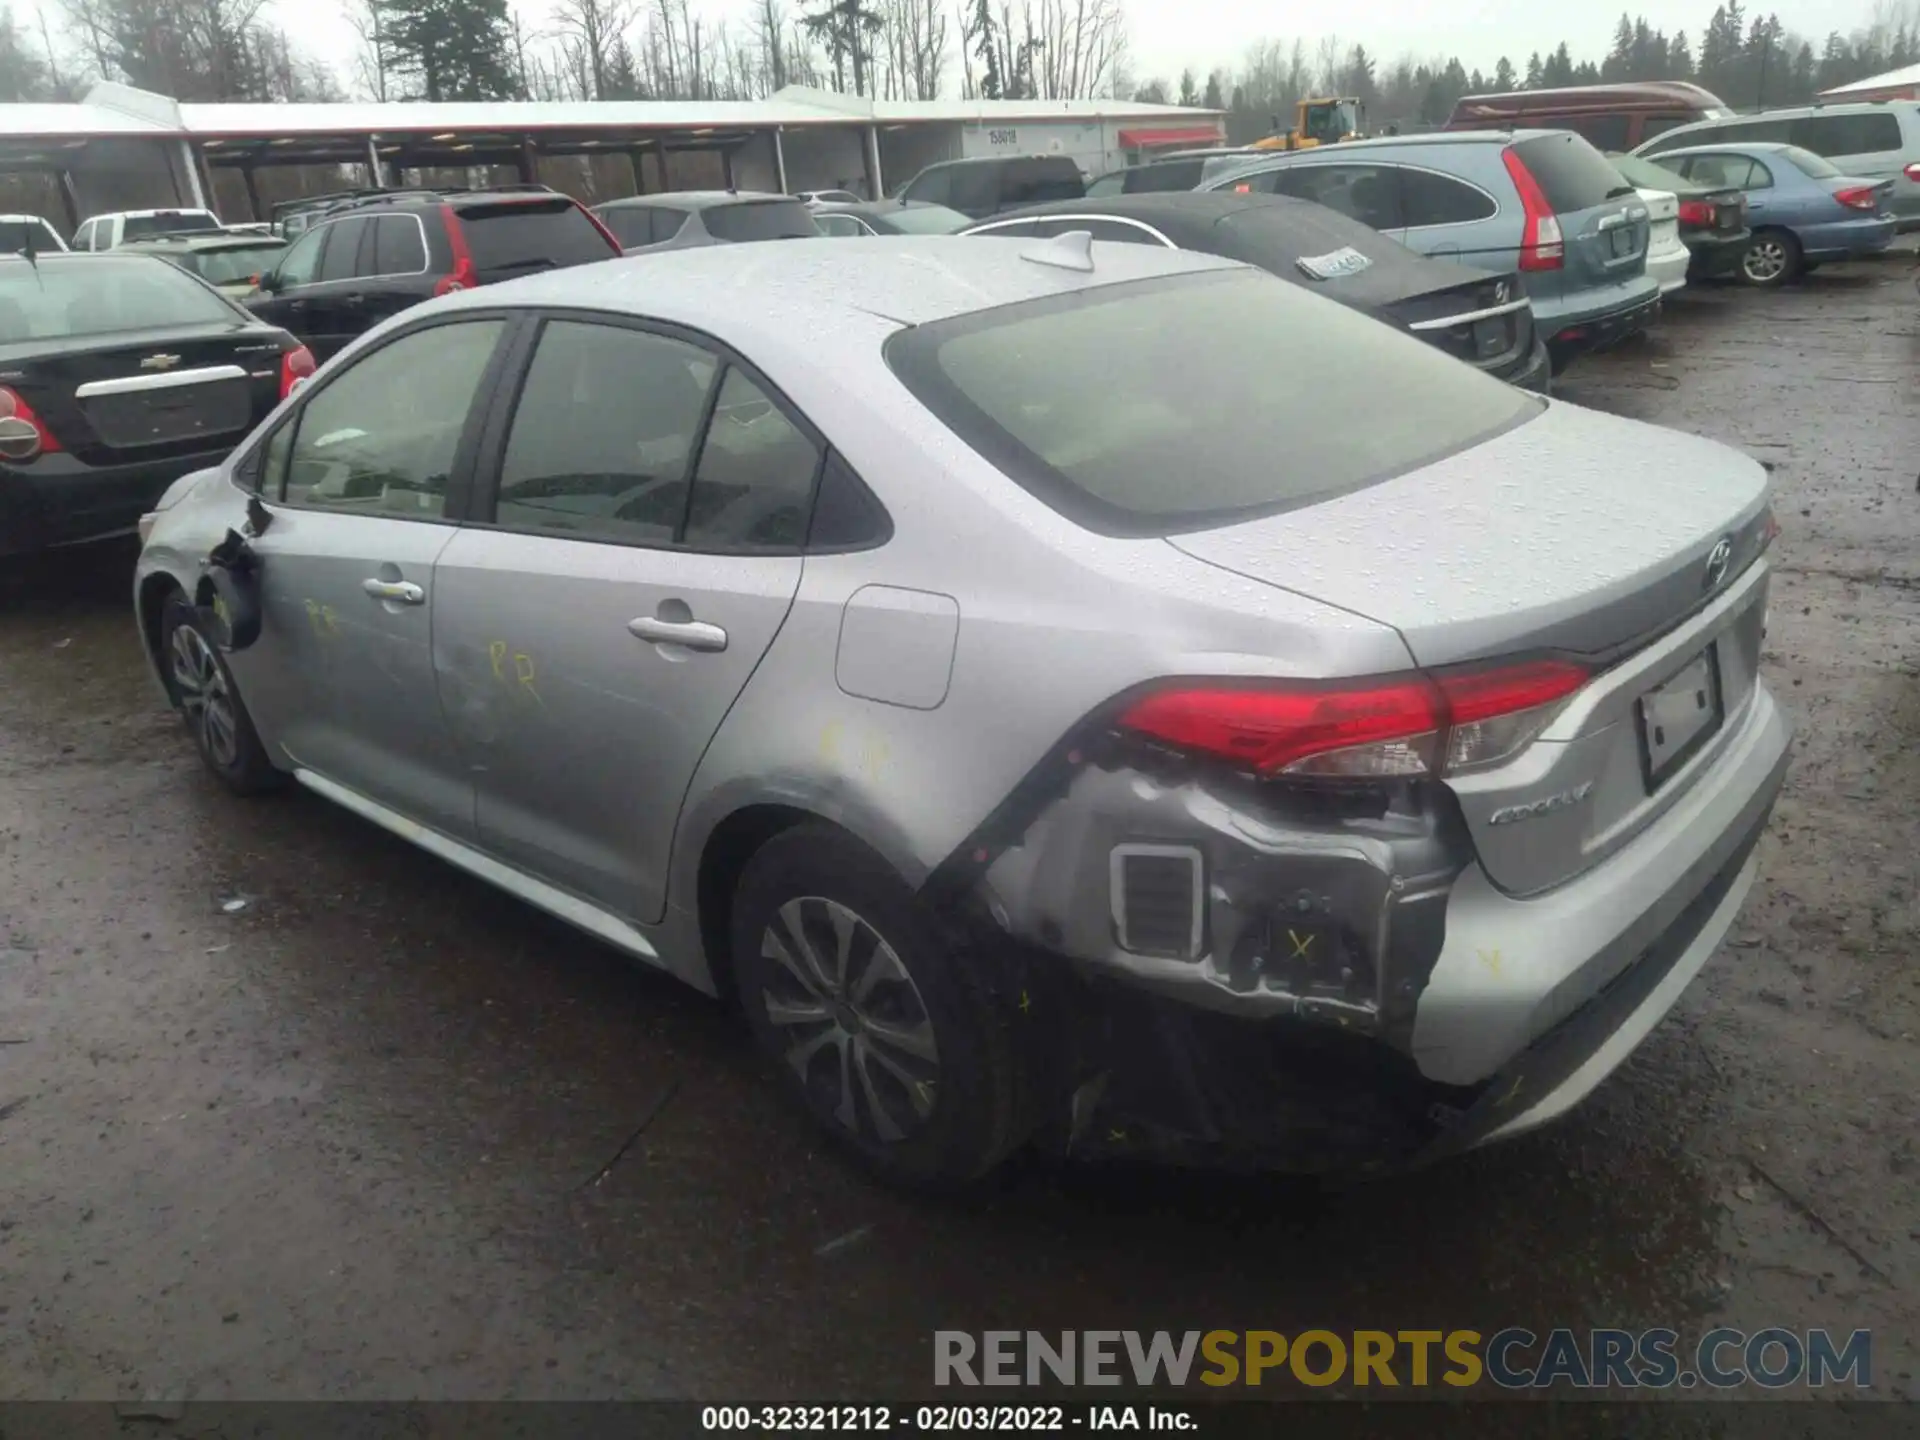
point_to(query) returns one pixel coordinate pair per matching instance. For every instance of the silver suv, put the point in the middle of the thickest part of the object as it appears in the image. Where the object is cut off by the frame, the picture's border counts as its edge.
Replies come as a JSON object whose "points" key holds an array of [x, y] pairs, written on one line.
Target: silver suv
{"points": [[963, 652], [1877, 140], [1543, 202]]}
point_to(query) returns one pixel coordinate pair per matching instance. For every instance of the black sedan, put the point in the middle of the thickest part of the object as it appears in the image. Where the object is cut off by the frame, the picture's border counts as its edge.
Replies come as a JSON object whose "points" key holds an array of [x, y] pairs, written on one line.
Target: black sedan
{"points": [[1712, 219], [887, 217], [119, 373], [1482, 318]]}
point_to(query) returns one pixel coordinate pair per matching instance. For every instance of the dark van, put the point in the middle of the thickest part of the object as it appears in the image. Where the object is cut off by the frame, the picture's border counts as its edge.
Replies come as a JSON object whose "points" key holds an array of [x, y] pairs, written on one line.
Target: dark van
{"points": [[1610, 117], [992, 183]]}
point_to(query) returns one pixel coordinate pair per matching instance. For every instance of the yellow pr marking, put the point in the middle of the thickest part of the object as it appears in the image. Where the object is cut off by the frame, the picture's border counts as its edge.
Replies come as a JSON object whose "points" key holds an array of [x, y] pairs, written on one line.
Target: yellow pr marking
{"points": [[830, 742], [497, 652], [1490, 959], [523, 667], [1300, 946]]}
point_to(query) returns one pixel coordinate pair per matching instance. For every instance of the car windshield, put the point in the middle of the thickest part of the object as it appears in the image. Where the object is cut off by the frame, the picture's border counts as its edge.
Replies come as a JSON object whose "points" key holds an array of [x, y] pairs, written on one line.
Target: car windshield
{"points": [[232, 263], [1810, 164], [760, 220], [1158, 406], [517, 237], [97, 295], [167, 222], [927, 220]]}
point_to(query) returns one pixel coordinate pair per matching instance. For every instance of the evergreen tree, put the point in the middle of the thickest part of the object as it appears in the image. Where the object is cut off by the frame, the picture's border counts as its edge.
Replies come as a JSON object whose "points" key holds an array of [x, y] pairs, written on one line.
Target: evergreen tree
{"points": [[452, 49], [993, 85], [1188, 95], [1680, 58], [1534, 71], [1559, 67], [1619, 62], [1212, 99], [1503, 77]]}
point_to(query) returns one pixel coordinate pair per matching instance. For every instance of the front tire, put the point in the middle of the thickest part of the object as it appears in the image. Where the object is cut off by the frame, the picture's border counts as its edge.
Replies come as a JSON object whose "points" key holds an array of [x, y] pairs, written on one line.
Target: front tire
{"points": [[208, 700], [1771, 259], [896, 1047]]}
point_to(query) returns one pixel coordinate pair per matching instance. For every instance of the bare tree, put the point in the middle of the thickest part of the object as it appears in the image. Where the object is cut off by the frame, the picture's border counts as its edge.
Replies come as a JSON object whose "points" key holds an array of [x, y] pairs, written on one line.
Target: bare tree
{"points": [[1078, 44], [590, 31], [769, 36], [372, 61]]}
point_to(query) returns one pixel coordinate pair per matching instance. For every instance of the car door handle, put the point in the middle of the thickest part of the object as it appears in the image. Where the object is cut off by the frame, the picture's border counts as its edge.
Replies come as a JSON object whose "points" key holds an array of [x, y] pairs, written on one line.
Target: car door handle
{"points": [[404, 591], [694, 634]]}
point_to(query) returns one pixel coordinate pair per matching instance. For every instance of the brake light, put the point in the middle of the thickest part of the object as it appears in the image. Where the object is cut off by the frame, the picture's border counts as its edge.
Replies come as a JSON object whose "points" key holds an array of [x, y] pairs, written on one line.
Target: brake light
{"points": [[1860, 197], [1696, 212], [1912, 172], [23, 435], [1405, 725], [1542, 247], [463, 276], [1769, 532], [295, 365]]}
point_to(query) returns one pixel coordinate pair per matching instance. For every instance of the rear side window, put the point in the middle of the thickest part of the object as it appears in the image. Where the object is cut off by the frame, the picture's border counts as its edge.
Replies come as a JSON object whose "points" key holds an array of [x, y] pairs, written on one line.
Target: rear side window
{"points": [[603, 434], [1863, 134], [761, 220], [1809, 164], [1031, 184], [1371, 194], [1571, 173], [1432, 199], [1149, 408], [343, 250], [632, 225], [398, 246], [517, 237], [1727, 172], [753, 487]]}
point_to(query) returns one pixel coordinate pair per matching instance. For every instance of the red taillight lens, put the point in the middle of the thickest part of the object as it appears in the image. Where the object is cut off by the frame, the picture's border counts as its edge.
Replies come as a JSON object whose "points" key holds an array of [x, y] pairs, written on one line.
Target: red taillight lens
{"points": [[295, 365], [463, 276], [1912, 172], [1411, 725], [1860, 197], [23, 436], [1541, 245], [1770, 532], [1696, 212]]}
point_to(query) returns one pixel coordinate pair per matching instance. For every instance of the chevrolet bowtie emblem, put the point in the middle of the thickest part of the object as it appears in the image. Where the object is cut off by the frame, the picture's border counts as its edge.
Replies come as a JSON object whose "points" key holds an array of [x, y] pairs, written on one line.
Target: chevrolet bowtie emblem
{"points": [[159, 362]]}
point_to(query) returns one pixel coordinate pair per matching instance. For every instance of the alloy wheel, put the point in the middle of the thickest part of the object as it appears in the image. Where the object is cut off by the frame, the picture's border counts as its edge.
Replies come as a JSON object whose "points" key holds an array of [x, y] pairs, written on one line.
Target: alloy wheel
{"points": [[204, 696], [1765, 261], [854, 1025]]}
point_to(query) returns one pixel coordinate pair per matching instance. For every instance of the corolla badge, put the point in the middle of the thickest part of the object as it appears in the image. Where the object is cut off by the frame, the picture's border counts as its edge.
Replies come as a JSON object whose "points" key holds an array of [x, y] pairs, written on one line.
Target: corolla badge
{"points": [[1718, 559], [1533, 809]]}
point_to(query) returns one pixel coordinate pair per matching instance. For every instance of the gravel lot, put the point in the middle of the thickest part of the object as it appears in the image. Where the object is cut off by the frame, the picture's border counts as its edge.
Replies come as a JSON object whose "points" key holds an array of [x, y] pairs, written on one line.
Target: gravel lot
{"points": [[372, 1133]]}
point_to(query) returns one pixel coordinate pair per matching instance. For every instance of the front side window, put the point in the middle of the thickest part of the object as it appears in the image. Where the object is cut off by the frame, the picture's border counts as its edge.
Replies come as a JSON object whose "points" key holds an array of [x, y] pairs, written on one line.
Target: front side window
{"points": [[1370, 194], [381, 437], [603, 434], [300, 262], [753, 488], [1148, 408], [935, 187]]}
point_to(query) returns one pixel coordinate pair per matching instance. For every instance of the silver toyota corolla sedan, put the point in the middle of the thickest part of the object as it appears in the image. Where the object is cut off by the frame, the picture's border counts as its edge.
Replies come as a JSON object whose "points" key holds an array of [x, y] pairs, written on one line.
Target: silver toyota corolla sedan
{"points": [[1093, 695]]}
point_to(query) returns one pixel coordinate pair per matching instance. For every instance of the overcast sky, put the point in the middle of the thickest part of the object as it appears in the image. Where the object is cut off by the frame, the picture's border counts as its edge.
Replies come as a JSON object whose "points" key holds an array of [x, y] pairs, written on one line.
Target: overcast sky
{"points": [[1169, 35]]}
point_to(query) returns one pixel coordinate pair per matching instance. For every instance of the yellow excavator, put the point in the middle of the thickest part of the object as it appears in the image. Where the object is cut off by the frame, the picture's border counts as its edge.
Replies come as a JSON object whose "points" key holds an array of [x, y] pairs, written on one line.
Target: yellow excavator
{"points": [[1319, 121]]}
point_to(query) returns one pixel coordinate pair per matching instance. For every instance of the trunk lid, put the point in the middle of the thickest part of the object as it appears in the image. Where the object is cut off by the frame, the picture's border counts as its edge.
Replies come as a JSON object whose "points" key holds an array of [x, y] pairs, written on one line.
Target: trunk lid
{"points": [[1575, 532], [1603, 221], [115, 398], [1484, 321]]}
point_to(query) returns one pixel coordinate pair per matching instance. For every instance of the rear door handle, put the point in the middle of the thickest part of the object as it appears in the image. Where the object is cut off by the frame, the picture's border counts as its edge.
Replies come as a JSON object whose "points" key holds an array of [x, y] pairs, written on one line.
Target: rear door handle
{"points": [[404, 591], [694, 634]]}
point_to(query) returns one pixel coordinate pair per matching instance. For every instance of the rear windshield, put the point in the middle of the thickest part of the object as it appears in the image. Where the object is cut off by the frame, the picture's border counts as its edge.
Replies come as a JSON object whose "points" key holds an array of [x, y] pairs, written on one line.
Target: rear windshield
{"points": [[232, 263], [168, 222], [928, 220], [760, 220], [1177, 404], [15, 235], [1810, 164], [518, 237], [1571, 173], [99, 295], [1165, 175]]}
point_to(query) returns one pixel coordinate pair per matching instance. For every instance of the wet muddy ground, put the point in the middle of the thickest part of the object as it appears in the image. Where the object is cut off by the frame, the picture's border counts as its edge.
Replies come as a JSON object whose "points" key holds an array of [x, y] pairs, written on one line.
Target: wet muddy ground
{"points": [[378, 1131]]}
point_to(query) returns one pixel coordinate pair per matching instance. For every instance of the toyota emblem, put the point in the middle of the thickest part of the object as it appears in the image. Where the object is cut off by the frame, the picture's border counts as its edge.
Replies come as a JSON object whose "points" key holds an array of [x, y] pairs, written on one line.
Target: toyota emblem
{"points": [[1717, 562]]}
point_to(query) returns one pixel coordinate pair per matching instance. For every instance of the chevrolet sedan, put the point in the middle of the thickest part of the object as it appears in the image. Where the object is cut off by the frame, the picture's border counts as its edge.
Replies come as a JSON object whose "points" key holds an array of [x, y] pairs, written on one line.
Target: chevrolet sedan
{"points": [[969, 658]]}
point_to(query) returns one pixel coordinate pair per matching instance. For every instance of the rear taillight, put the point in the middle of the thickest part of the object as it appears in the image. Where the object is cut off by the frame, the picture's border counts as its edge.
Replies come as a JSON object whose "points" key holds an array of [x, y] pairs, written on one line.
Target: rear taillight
{"points": [[23, 436], [1859, 197], [295, 365], [1912, 172], [463, 275], [1541, 244], [1770, 531], [1696, 212], [1406, 725]]}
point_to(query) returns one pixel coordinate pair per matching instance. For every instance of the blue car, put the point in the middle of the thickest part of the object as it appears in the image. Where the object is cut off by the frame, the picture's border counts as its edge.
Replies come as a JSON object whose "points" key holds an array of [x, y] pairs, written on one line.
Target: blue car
{"points": [[1801, 209]]}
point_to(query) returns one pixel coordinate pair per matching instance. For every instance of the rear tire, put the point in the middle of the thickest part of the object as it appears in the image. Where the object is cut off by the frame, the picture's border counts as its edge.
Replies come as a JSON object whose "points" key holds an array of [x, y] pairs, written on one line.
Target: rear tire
{"points": [[1771, 259], [204, 692], [887, 1038]]}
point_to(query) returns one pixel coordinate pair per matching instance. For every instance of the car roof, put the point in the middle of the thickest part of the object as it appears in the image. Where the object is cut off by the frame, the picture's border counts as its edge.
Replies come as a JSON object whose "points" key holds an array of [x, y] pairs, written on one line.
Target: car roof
{"points": [[162, 210], [1769, 147], [694, 199], [205, 240], [23, 219], [770, 287], [872, 207]]}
